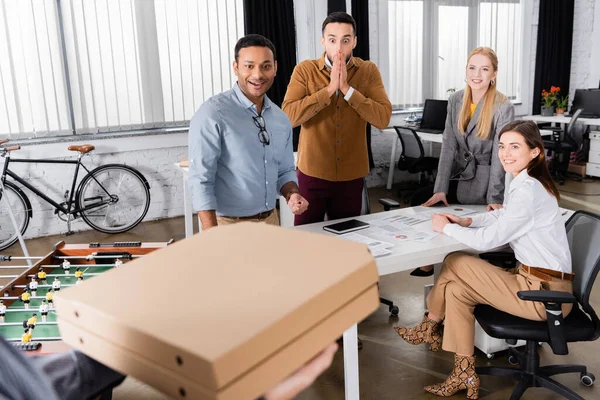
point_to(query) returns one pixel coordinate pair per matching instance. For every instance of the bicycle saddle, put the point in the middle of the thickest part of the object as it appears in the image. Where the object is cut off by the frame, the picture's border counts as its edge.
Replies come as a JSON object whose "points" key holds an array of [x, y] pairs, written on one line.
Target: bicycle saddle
{"points": [[84, 148]]}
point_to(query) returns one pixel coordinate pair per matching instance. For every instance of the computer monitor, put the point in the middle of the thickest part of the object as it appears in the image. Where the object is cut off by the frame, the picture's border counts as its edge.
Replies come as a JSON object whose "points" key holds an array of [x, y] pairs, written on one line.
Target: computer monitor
{"points": [[589, 100], [434, 114]]}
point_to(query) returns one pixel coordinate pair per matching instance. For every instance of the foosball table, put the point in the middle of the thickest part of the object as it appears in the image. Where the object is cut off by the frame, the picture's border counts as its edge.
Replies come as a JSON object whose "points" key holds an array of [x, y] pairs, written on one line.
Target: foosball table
{"points": [[25, 290]]}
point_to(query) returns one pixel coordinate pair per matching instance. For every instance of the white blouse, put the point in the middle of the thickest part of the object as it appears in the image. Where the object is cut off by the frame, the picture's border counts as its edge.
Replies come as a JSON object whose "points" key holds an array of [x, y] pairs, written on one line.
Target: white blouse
{"points": [[530, 222]]}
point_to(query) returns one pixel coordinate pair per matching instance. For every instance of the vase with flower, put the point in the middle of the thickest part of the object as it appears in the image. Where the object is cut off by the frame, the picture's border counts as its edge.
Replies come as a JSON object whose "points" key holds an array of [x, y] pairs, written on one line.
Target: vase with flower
{"points": [[548, 100], [561, 104]]}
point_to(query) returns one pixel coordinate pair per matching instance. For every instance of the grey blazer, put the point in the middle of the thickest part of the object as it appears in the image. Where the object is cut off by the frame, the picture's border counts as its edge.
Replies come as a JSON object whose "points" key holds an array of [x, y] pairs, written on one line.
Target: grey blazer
{"points": [[481, 180]]}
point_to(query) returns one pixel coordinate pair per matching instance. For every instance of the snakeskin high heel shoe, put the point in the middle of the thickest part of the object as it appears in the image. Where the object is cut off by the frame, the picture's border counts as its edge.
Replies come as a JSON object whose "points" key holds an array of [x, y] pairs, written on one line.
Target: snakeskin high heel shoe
{"points": [[428, 331], [463, 377]]}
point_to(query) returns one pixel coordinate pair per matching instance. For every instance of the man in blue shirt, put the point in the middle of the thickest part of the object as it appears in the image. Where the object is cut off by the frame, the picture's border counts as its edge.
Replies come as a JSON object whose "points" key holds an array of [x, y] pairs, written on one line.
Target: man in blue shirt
{"points": [[240, 146]]}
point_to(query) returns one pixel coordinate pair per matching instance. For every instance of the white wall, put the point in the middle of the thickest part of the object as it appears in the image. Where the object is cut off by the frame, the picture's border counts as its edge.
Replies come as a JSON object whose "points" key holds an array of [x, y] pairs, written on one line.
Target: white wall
{"points": [[594, 76], [581, 58], [154, 156]]}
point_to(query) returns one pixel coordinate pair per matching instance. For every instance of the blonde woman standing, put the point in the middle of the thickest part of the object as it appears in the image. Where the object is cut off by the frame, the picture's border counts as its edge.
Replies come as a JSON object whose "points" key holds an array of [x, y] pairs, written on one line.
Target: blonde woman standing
{"points": [[469, 171]]}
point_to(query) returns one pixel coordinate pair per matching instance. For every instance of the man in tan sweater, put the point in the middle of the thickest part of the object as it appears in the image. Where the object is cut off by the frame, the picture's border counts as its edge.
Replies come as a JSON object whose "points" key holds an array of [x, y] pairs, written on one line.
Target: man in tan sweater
{"points": [[333, 98]]}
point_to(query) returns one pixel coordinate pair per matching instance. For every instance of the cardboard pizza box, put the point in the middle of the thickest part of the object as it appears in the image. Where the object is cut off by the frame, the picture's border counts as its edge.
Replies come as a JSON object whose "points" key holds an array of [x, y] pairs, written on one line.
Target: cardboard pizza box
{"points": [[225, 314]]}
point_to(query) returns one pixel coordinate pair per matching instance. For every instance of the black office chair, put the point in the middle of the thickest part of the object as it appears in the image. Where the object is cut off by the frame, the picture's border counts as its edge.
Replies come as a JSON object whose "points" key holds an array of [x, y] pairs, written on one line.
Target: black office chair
{"points": [[561, 146], [582, 324], [413, 159]]}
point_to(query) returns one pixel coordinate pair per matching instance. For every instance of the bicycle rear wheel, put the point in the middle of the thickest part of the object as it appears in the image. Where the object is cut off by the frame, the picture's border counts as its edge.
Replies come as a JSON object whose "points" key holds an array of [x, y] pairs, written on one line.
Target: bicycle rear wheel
{"points": [[126, 195], [19, 204]]}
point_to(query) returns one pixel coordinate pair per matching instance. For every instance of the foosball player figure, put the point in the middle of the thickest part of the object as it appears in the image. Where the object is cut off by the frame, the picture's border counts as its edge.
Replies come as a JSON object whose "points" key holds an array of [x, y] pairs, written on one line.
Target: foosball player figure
{"points": [[26, 337], [33, 286], [42, 275], [31, 322], [79, 280], [66, 266], [49, 297], [2, 311], [25, 298], [118, 263], [78, 273], [56, 284], [44, 310]]}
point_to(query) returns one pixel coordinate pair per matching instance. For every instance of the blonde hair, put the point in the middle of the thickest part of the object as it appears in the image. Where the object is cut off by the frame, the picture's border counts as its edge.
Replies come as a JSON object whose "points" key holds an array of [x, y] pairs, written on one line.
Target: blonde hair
{"points": [[490, 99]]}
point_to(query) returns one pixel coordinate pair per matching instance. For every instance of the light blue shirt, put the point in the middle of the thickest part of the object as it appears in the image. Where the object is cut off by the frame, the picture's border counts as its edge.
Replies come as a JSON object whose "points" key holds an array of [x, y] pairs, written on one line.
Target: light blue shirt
{"points": [[231, 171]]}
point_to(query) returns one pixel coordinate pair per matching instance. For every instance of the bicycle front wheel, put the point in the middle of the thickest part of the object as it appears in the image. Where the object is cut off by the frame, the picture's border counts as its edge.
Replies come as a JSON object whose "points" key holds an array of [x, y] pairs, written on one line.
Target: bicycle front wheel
{"points": [[113, 198], [14, 199]]}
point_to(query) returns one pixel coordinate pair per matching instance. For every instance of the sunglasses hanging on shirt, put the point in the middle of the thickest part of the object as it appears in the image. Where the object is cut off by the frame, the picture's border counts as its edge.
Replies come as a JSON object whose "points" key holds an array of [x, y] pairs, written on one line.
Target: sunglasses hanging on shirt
{"points": [[263, 135]]}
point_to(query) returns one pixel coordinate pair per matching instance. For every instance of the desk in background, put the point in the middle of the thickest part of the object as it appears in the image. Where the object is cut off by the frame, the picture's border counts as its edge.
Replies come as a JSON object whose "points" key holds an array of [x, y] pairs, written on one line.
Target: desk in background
{"points": [[285, 214], [561, 119], [593, 165], [429, 138]]}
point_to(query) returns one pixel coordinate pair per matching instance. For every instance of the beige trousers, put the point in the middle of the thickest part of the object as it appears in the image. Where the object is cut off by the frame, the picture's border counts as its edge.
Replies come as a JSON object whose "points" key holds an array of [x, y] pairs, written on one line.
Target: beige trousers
{"points": [[466, 281], [272, 219]]}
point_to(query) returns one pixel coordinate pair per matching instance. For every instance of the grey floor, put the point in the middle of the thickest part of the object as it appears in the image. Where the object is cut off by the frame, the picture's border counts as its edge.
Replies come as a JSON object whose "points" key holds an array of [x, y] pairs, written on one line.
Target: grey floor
{"points": [[389, 368]]}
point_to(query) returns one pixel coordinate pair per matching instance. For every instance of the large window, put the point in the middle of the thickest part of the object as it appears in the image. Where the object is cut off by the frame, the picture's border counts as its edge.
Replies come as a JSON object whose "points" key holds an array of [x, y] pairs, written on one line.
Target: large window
{"points": [[81, 66], [430, 40]]}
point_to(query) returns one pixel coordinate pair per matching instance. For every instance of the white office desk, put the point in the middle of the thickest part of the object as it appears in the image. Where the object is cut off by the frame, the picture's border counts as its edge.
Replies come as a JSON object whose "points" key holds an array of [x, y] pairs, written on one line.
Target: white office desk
{"points": [[561, 119], [429, 138], [405, 256], [285, 214]]}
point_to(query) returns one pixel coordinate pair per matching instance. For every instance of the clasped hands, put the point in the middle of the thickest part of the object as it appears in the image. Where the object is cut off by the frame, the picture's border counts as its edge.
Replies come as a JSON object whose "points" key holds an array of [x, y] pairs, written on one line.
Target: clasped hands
{"points": [[339, 75]]}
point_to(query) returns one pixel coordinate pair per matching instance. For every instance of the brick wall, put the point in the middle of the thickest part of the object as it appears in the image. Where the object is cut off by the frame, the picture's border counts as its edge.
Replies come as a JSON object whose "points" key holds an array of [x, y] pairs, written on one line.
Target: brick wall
{"points": [[156, 164]]}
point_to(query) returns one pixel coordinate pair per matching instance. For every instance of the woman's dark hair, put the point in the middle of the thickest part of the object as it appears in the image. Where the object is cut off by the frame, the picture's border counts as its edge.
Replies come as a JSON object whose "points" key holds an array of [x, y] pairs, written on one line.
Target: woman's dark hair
{"points": [[253, 40], [339, 17], [537, 168]]}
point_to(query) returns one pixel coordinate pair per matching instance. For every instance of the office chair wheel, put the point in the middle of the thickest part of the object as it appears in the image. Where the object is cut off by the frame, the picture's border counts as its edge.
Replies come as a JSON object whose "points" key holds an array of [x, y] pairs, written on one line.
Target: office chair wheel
{"points": [[512, 360], [490, 356], [587, 379], [394, 310]]}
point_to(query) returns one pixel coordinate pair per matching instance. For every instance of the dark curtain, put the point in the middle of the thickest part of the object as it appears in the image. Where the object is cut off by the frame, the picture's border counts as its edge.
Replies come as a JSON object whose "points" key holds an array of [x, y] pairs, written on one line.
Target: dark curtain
{"points": [[335, 5], [274, 19], [554, 47], [360, 12]]}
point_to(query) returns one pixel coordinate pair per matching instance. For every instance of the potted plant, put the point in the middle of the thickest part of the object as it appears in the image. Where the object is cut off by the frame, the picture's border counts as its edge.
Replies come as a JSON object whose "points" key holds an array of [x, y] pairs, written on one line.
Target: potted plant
{"points": [[561, 104], [548, 100]]}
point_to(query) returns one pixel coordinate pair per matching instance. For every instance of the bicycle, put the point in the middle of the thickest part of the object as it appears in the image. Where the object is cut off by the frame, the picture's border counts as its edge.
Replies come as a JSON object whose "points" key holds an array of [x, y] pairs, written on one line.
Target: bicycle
{"points": [[111, 198]]}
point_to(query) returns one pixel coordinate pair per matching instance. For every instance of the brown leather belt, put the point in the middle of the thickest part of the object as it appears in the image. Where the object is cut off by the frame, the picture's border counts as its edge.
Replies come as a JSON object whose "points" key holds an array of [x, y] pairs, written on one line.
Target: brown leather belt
{"points": [[262, 215], [544, 273]]}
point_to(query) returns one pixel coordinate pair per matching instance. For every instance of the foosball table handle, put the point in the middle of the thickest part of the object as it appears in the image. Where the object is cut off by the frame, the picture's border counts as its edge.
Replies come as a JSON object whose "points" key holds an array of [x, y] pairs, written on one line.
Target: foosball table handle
{"points": [[29, 346], [115, 244]]}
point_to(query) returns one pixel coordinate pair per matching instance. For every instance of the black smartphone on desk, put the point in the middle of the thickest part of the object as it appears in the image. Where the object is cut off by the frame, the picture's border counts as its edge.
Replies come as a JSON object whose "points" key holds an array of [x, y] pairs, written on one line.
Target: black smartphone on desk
{"points": [[346, 226]]}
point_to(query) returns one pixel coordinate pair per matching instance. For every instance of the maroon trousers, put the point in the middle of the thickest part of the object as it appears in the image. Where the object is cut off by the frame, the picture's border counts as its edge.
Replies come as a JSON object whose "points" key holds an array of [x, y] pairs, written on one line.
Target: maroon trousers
{"points": [[336, 199]]}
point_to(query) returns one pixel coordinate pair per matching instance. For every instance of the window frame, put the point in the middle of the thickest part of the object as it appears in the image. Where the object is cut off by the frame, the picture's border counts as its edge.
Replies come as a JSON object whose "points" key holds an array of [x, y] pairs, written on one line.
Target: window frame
{"points": [[381, 18]]}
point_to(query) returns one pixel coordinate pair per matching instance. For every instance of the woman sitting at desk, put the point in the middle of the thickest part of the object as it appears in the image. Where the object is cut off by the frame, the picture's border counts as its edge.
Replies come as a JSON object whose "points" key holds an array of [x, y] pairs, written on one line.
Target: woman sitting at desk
{"points": [[469, 171], [531, 223]]}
